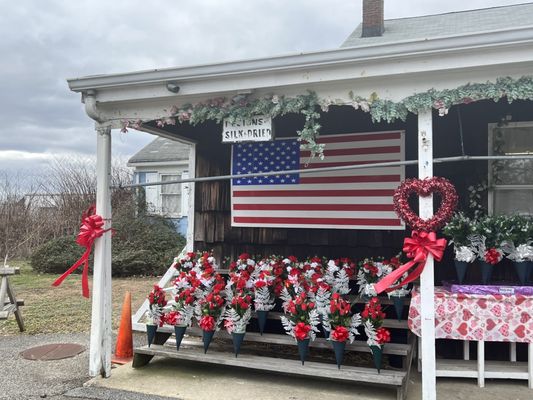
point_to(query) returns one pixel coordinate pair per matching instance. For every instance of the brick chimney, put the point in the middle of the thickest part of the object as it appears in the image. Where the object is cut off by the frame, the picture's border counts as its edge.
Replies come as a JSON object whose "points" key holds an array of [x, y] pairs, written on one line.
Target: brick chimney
{"points": [[373, 18]]}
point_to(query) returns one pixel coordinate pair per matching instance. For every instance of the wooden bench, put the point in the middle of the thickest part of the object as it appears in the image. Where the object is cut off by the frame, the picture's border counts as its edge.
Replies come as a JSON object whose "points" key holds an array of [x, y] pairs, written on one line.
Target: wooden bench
{"points": [[10, 304]]}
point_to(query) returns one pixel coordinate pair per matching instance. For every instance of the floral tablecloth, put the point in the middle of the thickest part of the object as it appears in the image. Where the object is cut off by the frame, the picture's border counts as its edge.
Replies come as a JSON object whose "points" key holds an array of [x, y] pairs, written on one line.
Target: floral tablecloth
{"points": [[492, 318]]}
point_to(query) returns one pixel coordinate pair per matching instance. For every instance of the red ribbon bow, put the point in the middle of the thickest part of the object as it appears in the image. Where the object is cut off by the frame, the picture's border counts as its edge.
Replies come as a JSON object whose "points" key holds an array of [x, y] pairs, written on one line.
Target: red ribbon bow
{"points": [[417, 247], [90, 229]]}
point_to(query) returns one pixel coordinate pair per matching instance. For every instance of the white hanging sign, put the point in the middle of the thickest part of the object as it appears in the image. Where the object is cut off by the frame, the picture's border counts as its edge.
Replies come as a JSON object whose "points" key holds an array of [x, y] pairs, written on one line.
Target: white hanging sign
{"points": [[255, 129]]}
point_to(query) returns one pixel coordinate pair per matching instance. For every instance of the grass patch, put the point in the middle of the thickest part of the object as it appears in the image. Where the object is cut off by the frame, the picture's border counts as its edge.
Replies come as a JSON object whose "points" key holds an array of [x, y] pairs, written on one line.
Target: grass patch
{"points": [[63, 309]]}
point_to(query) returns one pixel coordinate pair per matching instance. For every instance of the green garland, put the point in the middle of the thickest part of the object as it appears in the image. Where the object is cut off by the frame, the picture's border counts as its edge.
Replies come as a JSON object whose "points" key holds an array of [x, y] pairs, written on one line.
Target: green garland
{"points": [[309, 105]]}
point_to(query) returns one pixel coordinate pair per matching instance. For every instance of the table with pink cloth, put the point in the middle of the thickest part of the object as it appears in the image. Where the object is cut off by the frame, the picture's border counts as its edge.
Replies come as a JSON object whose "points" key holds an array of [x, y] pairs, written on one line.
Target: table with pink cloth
{"points": [[491, 318]]}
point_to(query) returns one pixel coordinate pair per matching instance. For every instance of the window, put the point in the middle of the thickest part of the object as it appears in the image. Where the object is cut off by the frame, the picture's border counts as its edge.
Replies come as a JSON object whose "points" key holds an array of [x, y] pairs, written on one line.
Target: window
{"points": [[171, 196], [511, 181]]}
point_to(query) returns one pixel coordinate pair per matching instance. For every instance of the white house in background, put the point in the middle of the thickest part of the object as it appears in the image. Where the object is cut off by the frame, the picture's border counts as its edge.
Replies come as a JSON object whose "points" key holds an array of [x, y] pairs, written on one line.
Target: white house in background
{"points": [[164, 160]]}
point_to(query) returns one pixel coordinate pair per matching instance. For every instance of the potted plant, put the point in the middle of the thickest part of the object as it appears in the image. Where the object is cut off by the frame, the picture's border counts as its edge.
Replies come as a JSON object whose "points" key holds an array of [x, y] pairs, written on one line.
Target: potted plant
{"points": [[156, 317], [263, 292], [239, 300], [458, 230], [517, 245], [398, 294], [300, 321], [186, 292], [486, 240], [341, 324], [370, 272], [209, 311], [236, 318], [377, 336]]}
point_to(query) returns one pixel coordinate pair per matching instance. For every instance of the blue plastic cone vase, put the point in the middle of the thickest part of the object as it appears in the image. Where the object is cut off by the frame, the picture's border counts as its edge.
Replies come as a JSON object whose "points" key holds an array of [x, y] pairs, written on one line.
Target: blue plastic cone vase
{"points": [[529, 270], [207, 336], [303, 349], [486, 272], [377, 353], [237, 341], [262, 319], [179, 331], [398, 306], [338, 347], [150, 333], [460, 270], [522, 269]]}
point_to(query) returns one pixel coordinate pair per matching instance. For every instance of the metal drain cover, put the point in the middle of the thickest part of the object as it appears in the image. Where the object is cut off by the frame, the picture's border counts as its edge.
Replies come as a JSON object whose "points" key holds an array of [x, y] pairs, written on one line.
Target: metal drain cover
{"points": [[56, 351]]}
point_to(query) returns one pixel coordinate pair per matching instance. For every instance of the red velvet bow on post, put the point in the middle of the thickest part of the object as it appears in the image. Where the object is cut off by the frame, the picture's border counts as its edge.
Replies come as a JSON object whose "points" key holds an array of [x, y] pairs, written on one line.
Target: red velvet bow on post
{"points": [[90, 229], [417, 247]]}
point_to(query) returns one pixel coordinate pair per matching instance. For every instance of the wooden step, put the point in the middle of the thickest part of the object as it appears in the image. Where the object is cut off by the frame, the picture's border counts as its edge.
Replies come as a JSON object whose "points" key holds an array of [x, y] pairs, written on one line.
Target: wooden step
{"points": [[277, 365], [397, 349]]}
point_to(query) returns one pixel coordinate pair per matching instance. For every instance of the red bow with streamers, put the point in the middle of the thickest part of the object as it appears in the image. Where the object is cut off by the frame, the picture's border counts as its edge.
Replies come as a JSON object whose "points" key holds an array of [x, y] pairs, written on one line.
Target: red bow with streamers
{"points": [[90, 229], [417, 247]]}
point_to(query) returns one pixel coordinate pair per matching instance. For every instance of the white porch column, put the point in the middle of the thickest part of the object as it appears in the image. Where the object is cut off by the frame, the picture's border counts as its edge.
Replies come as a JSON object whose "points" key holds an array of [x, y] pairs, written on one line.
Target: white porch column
{"points": [[427, 290], [100, 344]]}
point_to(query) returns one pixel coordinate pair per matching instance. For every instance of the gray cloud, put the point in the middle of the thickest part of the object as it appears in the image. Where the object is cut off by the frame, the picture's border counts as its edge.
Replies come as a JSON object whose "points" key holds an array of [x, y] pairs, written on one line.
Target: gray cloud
{"points": [[43, 43]]}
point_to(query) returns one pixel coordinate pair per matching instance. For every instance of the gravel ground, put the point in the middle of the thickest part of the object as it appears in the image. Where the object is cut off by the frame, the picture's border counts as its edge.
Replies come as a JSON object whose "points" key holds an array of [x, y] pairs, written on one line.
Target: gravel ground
{"points": [[22, 379]]}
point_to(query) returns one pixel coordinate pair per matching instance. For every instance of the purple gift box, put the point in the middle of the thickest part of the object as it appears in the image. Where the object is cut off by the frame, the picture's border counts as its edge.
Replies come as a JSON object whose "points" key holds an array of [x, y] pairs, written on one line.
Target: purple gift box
{"points": [[498, 288]]}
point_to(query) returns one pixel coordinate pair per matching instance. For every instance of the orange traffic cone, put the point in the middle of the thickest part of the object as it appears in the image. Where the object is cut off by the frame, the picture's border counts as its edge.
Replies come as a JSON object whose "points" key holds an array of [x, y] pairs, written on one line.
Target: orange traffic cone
{"points": [[124, 348]]}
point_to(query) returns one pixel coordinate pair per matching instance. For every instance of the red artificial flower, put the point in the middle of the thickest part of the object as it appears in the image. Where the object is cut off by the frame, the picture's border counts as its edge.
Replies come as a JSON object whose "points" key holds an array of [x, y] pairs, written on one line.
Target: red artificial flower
{"points": [[340, 334], [301, 330], [244, 256], [493, 256], [260, 284], [172, 317], [207, 323], [382, 335]]}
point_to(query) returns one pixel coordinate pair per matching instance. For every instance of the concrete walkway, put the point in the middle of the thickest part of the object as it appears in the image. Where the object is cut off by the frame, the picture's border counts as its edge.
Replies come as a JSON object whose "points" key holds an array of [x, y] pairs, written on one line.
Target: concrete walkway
{"points": [[193, 381], [163, 379]]}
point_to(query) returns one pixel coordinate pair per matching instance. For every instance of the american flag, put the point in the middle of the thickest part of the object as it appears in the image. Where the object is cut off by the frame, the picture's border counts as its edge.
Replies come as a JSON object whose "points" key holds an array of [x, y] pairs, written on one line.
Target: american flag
{"points": [[349, 199]]}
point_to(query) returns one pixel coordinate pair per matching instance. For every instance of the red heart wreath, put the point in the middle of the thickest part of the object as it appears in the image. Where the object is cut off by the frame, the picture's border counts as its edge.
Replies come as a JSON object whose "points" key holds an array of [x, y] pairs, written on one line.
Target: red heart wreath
{"points": [[425, 187]]}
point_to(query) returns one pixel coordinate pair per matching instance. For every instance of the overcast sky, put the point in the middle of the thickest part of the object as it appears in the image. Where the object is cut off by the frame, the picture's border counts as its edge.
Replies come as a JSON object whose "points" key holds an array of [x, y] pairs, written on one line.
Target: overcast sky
{"points": [[44, 42]]}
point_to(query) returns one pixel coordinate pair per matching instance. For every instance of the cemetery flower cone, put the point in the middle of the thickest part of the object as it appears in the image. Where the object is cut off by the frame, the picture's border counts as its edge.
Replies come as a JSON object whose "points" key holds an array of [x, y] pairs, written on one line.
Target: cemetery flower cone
{"points": [[486, 272], [398, 302], [529, 270], [207, 336], [460, 270], [179, 331], [522, 269], [150, 333], [237, 341], [303, 349], [262, 319], [338, 347], [377, 353]]}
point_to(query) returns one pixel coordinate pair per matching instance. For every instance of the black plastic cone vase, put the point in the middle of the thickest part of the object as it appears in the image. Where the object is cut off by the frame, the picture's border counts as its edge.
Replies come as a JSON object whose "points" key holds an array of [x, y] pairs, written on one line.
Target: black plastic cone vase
{"points": [[377, 353], [179, 331], [486, 272], [522, 269], [338, 348], [150, 333], [237, 337], [262, 319], [398, 306], [303, 349], [207, 336], [460, 270]]}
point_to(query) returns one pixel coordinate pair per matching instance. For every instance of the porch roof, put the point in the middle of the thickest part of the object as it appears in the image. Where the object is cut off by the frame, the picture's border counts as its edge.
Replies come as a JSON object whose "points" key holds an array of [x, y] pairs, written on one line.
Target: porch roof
{"points": [[447, 24], [394, 69]]}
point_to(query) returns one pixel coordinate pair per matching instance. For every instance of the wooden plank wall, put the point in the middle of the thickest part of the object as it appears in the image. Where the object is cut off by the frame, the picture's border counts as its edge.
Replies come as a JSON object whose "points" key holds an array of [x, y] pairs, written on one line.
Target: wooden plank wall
{"points": [[212, 217]]}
